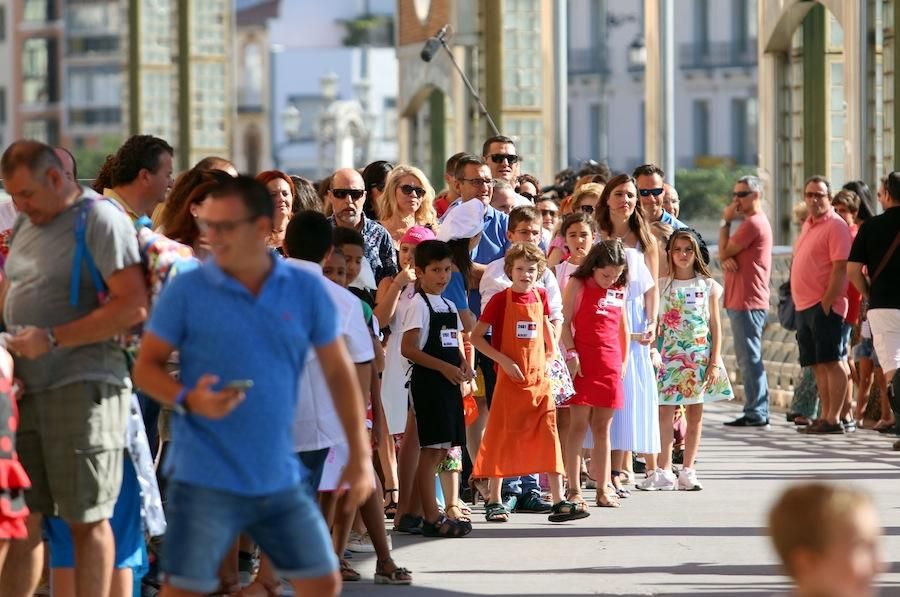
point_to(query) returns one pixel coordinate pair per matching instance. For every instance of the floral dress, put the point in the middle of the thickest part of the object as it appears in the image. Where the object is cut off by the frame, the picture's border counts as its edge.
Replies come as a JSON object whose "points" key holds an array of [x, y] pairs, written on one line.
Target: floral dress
{"points": [[684, 330]]}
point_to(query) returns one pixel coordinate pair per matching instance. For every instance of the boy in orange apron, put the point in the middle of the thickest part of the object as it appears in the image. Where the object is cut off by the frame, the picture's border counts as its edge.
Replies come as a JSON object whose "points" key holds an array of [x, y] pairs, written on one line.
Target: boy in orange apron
{"points": [[523, 411]]}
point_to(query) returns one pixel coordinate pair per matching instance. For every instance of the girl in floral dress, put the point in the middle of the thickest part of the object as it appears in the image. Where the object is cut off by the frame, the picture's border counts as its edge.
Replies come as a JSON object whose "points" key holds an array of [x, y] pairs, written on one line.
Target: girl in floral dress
{"points": [[692, 373]]}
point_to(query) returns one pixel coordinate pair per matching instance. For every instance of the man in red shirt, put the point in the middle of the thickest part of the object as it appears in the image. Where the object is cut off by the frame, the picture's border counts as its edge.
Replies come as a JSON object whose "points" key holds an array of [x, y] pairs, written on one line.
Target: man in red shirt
{"points": [[746, 258], [819, 290]]}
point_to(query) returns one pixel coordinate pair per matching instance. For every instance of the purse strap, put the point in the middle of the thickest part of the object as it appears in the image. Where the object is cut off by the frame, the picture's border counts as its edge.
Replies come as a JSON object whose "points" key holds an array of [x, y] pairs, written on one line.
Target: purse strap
{"points": [[886, 258]]}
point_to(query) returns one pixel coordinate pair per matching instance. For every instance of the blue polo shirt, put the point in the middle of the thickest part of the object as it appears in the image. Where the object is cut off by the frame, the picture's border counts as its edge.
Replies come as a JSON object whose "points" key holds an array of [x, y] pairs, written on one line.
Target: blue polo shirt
{"points": [[219, 327], [491, 247]]}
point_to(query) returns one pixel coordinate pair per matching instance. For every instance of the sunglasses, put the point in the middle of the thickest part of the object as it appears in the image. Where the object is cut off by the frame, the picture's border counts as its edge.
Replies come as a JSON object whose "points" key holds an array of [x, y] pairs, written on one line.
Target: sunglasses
{"points": [[588, 209], [408, 189], [551, 213], [499, 158], [528, 196], [344, 193], [655, 192], [741, 194]]}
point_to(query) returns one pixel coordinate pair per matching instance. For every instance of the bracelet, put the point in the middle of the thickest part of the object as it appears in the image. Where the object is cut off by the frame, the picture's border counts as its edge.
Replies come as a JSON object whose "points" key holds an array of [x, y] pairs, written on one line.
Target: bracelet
{"points": [[571, 354], [180, 405]]}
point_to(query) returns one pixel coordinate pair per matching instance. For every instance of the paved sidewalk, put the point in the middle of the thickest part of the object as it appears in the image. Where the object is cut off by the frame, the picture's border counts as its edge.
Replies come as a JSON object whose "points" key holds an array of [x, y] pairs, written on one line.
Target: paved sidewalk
{"points": [[711, 542]]}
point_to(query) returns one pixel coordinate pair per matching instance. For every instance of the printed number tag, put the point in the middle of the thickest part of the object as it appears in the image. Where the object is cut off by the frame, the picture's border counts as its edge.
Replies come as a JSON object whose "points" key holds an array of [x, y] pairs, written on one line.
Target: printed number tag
{"points": [[694, 296], [450, 338], [526, 330], [615, 298]]}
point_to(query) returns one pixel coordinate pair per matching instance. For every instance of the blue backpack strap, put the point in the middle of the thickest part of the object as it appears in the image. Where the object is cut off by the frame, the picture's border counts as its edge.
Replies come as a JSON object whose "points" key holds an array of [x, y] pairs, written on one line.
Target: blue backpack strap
{"points": [[83, 255]]}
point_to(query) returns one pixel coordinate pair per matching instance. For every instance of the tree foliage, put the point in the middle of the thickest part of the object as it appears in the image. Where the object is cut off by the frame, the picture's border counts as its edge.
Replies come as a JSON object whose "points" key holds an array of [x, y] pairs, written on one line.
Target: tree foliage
{"points": [[704, 192], [90, 158]]}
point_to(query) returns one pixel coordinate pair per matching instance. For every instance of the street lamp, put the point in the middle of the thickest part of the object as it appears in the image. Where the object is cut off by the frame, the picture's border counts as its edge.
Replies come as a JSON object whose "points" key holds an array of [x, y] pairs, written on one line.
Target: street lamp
{"points": [[290, 122], [637, 52]]}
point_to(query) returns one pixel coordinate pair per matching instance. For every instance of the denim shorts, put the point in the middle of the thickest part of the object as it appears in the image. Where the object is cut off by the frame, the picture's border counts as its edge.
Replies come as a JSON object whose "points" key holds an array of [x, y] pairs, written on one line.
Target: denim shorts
{"points": [[846, 335], [865, 350], [819, 336], [203, 523]]}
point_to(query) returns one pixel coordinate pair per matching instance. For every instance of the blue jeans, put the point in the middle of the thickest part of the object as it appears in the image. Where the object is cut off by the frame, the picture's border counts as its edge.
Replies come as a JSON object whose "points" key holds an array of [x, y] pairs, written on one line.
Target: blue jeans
{"points": [[520, 486], [747, 328]]}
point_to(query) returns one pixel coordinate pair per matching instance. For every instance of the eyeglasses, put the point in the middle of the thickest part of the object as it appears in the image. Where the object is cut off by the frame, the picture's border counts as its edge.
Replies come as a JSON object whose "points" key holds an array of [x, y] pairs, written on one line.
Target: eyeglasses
{"points": [[588, 209], [408, 189], [655, 192], [816, 195], [741, 194], [227, 226], [499, 158], [528, 196], [478, 182], [354, 194], [551, 213]]}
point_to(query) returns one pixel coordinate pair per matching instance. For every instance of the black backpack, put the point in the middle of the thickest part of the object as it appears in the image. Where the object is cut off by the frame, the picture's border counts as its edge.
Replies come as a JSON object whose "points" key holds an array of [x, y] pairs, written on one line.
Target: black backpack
{"points": [[787, 313]]}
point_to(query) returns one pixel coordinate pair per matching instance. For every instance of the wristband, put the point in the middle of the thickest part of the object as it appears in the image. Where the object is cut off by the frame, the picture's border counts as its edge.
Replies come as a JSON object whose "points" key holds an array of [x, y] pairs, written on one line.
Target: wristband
{"points": [[51, 339], [180, 405], [571, 354]]}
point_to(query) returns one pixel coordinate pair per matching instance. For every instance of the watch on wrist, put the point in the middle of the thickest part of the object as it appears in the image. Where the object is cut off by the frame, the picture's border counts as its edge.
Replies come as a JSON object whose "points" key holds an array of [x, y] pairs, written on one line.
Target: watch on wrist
{"points": [[51, 339], [723, 223]]}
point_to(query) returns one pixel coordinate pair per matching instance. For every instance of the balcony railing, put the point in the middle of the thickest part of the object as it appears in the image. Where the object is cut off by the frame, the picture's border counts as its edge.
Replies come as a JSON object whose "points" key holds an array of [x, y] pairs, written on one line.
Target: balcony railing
{"points": [[728, 54], [583, 61]]}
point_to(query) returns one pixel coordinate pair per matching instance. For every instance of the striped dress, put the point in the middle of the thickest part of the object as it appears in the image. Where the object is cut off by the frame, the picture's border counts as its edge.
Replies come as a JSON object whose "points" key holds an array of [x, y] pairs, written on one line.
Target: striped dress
{"points": [[636, 426]]}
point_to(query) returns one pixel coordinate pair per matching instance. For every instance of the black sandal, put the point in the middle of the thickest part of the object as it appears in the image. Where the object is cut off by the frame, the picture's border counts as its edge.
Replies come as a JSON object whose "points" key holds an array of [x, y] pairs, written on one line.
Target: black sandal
{"points": [[566, 510], [409, 524], [496, 512], [390, 509], [446, 528]]}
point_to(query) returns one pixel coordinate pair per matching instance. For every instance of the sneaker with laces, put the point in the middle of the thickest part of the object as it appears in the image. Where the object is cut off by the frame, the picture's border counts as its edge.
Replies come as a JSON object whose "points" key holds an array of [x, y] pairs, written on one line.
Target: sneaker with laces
{"points": [[360, 543], [658, 480], [687, 480]]}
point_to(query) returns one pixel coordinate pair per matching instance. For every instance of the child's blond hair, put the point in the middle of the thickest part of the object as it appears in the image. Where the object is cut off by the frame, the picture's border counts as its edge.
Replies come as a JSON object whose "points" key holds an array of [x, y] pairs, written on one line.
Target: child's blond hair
{"points": [[810, 516], [527, 251]]}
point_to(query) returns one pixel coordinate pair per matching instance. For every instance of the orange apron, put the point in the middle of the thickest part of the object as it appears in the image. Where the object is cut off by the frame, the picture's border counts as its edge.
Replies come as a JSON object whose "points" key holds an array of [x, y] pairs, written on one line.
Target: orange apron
{"points": [[521, 437]]}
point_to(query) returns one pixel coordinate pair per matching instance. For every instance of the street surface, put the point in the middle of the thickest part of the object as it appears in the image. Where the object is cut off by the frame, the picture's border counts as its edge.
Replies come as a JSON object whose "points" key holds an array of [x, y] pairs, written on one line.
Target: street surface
{"points": [[711, 542]]}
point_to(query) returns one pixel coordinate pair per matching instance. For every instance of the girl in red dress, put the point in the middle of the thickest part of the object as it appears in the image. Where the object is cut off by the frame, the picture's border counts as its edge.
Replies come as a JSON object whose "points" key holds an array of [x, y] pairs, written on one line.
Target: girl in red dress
{"points": [[595, 337], [13, 480]]}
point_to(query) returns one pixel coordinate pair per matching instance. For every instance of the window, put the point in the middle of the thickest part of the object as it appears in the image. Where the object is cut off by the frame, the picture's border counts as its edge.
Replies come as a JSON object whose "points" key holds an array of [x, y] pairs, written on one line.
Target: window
{"points": [[2, 23], [39, 11], [598, 140], [701, 128], [528, 134], [701, 24], [522, 72], [35, 70]]}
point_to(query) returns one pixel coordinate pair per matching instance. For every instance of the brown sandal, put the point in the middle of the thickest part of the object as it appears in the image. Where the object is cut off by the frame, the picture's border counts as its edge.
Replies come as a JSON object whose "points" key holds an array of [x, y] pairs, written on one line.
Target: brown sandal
{"points": [[397, 576], [348, 574], [454, 512], [607, 501]]}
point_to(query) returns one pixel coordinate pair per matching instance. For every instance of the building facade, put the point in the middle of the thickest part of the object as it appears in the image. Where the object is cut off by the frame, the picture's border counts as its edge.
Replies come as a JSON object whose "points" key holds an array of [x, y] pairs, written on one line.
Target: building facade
{"points": [[714, 82], [508, 51], [828, 90]]}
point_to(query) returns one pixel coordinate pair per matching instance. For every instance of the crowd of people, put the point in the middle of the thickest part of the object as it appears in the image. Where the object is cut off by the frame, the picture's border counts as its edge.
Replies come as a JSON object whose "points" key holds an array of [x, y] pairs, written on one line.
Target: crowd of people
{"points": [[287, 363]]}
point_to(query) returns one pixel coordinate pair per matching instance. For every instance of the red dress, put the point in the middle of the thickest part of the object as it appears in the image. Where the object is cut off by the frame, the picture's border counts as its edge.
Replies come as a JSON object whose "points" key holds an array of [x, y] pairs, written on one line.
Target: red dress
{"points": [[13, 480], [596, 324]]}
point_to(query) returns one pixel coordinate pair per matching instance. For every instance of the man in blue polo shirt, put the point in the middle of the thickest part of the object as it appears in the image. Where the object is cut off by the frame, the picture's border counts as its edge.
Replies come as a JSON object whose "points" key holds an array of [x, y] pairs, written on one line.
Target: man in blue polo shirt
{"points": [[649, 181], [243, 324]]}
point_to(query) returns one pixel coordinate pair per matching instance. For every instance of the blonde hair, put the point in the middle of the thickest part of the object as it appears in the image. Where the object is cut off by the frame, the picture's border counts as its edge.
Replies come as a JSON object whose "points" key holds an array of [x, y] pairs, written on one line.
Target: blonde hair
{"points": [[425, 215], [590, 188], [662, 231], [527, 251], [800, 212], [809, 516]]}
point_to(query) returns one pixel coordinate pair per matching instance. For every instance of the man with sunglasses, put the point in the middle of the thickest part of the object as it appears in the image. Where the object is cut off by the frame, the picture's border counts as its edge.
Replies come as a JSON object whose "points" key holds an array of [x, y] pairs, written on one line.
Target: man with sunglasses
{"points": [[746, 258], [347, 198], [649, 181], [500, 154]]}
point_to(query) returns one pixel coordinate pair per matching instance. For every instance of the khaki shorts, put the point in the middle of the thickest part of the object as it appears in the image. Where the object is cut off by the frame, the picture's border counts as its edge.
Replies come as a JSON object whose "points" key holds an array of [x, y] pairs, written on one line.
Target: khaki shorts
{"points": [[71, 441]]}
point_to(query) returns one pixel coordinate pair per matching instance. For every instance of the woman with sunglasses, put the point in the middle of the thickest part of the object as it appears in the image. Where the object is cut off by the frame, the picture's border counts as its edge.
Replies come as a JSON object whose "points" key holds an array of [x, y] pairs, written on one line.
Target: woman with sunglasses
{"points": [[584, 200], [408, 201]]}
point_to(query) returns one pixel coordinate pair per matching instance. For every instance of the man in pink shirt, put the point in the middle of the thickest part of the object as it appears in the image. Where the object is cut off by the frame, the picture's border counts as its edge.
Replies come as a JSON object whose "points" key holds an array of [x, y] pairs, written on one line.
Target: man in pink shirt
{"points": [[746, 258], [819, 289]]}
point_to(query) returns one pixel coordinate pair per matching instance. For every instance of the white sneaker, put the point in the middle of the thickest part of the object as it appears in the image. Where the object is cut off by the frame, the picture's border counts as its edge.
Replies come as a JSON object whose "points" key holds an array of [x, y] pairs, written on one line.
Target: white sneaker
{"points": [[687, 480], [360, 543], [658, 480]]}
